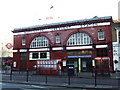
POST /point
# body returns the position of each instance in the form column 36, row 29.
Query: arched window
column 79, row 39
column 39, row 42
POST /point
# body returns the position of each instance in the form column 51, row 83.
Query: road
column 14, row 86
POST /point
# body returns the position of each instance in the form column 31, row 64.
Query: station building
column 76, row 42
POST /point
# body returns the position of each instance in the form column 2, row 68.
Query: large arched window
column 79, row 39
column 39, row 42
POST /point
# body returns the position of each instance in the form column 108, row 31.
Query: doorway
column 73, row 61
column 81, row 64
column 86, row 64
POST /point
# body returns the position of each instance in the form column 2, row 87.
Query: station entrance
column 81, row 59
column 81, row 64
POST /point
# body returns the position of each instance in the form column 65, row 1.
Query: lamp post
column 27, row 78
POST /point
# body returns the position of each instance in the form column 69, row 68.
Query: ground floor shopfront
column 81, row 64
column 81, row 59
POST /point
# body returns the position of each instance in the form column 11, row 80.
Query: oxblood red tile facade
column 65, row 35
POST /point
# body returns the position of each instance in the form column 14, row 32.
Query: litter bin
column 70, row 70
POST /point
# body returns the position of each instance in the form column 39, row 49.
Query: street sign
column 9, row 45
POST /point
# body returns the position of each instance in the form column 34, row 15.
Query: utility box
column 70, row 70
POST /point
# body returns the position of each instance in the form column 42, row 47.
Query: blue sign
column 80, row 56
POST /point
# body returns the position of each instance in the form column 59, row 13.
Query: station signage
column 9, row 45
column 80, row 56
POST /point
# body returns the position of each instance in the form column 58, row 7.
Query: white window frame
column 39, row 42
column 101, row 35
column 23, row 41
column 39, row 53
column 57, row 38
column 79, row 39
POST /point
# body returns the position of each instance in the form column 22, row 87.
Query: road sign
column 9, row 45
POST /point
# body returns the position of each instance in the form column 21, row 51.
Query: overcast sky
column 23, row 13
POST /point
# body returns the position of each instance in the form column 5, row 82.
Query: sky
column 24, row 13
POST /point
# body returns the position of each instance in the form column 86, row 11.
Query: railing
column 89, row 78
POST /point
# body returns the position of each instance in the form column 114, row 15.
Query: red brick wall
column 65, row 34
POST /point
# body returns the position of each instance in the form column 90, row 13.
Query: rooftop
column 67, row 23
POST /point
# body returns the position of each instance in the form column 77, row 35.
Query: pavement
column 113, row 76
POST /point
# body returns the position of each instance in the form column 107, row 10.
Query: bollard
column 95, row 78
column 68, row 79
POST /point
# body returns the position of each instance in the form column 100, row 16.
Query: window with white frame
column 57, row 38
column 39, row 55
column 79, row 39
column 35, row 55
column 101, row 35
column 23, row 41
column 43, row 55
column 39, row 42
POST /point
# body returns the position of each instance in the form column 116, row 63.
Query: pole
column 27, row 76
column 11, row 75
column 27, row 65
column 95, row 77
column 68, row 79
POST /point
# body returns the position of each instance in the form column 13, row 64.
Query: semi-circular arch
column 39, row 41
column 79, row 38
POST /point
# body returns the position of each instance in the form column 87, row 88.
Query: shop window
column 43, row 55
column 101, row 35
column 35, row 55
column 23, row 56
column 23, row 41
column 58, row 38
column 39, row 55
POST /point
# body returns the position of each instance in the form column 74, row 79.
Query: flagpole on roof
column 50, row 16
column 51, row 7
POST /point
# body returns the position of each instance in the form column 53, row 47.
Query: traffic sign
column 9, row 45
